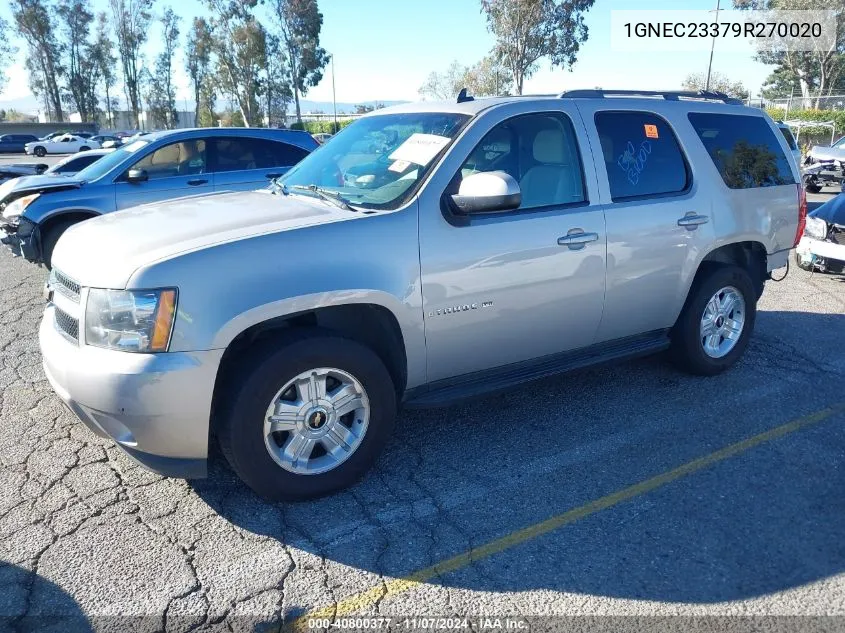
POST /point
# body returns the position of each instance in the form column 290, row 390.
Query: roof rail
column 669, row 95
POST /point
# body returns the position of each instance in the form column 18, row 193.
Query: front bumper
column 155, row 406
column 810, row 250
column 23, row 240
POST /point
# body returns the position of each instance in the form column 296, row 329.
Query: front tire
column 716, row 323
column 306, row 417
column 40, row 152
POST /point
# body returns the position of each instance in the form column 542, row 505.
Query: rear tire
column 691, row 337
column 49, row 239
column 261, row 378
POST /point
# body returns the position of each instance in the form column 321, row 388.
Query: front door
column 508, row 287
column 173, row 170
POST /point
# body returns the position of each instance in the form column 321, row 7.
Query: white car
column 65, row 144
column 76, row 162
column 822, row 246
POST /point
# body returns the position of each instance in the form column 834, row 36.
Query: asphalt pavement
column 633, row 490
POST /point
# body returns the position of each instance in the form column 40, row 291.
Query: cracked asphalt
column 87, row 534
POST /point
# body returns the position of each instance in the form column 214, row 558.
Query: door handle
column 692, row 220
column 197, row 181
column 577, row 239
column 275, row 174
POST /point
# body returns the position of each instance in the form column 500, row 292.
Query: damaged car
column 156, row 167
column 822, row 247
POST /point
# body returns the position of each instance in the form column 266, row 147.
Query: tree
column 299, row 23
column 198, row 60
column 718, row 83
column 240, row 45
column 277, row 90
column 131, row 22
column 106, row 62
column 35, row 26
column 529, row 30
column 82, row 70
column 445, row 85
column 488, row 78
column 815, row 72
column 161, row 99
column 7, row 51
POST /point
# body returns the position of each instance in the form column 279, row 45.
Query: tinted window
column 76, row 164
column 234, row 154
column 787, row 135
column 641, row 155
column 540, row 152
column 744, row 149
column 185, row 158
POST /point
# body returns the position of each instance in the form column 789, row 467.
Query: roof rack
column 669, row 95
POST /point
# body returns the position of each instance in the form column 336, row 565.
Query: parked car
column 823, row 154
column 155, row 167
column 790, row 141
column 77, row 162
column 104, row 139
column 8, row 172
column 65, row 144
column 509, row 239
column 15, row 143
column 822, row 247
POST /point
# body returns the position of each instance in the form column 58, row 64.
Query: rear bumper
column 156, row 407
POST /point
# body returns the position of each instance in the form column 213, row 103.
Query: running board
column 451, row 390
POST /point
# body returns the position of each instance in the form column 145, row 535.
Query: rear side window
column 641, row 155
column 787, row 135
column 235, row 154
column 744, row 149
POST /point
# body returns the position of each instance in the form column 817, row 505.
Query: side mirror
column 488, row 192
column 137, row 175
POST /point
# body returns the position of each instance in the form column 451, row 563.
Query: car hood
column 105, row 251
column 823, row 152
column 41, row 182
column 832, row 211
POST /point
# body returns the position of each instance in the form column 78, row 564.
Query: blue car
column 14, row 143
column 158, row 166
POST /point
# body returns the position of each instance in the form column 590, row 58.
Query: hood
column 832, row 211
column 105, row 251
column 37, row 183
column 821, row 152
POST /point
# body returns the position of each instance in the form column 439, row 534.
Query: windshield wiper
column 333, row 197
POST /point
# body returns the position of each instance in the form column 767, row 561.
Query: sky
column 384, row 49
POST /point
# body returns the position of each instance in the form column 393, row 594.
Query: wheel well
column 73, row 216
column 748, row 255
column 369, row 324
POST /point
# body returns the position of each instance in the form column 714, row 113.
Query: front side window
column 744, row 149
column 378, row 161
column 641, row 155
column 540, row 152
column 183, row 158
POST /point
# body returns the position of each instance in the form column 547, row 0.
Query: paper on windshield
column 420, row 148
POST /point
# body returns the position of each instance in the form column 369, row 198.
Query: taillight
column 802, row 213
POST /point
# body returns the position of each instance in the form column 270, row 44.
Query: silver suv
column 428, row 253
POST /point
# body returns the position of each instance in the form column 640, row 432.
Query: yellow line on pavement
column 364, row 599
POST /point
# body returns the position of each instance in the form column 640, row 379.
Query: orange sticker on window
column 651, row 131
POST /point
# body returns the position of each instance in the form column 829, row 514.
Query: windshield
column 108, row 162
column 378, row 161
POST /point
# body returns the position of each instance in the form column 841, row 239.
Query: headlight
column 816, row 228
column 130, row 320
column 15, row 208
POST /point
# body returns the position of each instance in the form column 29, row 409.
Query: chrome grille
column 65, row 285
column 66, row 324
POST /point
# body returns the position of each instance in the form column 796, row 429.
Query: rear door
column 246, row 164
column 658, row 220
column 173, row 170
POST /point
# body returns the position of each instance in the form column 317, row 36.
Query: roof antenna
column 463, row 97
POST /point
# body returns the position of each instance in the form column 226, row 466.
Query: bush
column 320, row 127
column 813, row 135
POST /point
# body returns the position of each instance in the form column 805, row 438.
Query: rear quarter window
column 641, row 155
column 744, row 149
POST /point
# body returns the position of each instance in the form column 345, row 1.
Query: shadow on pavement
column 29, row 602
column 767, row 520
